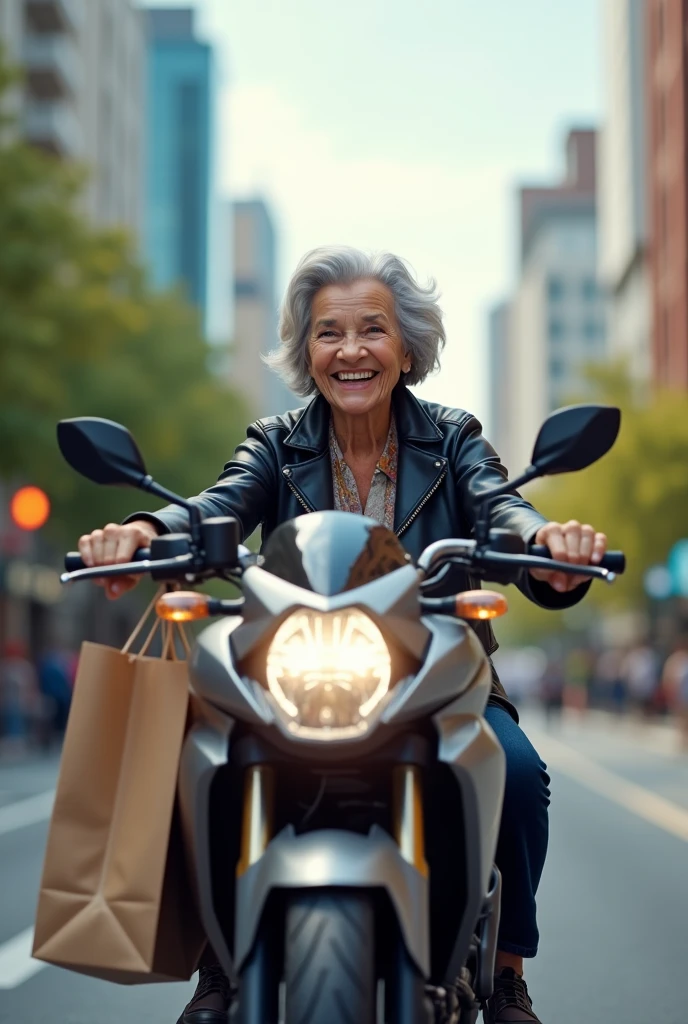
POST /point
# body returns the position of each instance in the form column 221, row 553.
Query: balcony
column 54, row 127
column 54, row 15
column 53, row 66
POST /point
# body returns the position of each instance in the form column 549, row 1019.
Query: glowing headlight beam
column 328, row 671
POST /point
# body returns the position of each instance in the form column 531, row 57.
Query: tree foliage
column 637, row 494
column 83, row 333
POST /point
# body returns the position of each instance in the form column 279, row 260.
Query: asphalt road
column 613, row 902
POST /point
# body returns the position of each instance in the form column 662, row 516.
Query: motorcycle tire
column 329, row 968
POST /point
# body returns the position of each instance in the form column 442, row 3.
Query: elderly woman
column 356, row 332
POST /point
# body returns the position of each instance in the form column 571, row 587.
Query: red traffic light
column 30, row 508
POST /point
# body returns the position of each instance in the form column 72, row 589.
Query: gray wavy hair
column 417, row 311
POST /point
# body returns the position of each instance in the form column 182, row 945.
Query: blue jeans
column 522, row 845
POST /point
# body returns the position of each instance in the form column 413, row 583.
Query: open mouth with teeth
column 354, row 376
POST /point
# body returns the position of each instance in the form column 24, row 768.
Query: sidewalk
column 26, row 776
column 658, row 736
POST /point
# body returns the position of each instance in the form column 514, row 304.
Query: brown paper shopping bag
column 114, row 899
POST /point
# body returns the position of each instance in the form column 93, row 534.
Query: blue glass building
column 179, row 158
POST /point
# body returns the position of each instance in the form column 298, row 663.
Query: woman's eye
column 374, row 327
column 326, row 334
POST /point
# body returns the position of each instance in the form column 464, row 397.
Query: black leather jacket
column 282, row 470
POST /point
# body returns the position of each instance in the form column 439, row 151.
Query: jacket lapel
column 422, row 467
column 420, row 474
column 421, row 470
column 311, row 478
column 311, row 482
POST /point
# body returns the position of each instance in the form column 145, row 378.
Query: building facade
column 667, row 104
column 178, row 174
column 624, row 267
column 82, row 98
column 499, row 376
column 255, row 311
column 557, row 324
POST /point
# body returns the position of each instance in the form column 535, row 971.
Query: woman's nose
column 351, row 346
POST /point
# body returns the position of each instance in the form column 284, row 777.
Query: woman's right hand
column 113, row 545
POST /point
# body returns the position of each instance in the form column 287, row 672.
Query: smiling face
column 356, row 351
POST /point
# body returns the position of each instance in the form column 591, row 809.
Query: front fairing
column 446, row 656
column 332, row 553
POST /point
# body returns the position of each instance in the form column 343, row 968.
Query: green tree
column 637, row 494
column 83, row 333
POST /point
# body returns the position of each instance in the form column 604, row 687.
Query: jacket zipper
column 298, row 496
column 426, row 499
column 405, row 525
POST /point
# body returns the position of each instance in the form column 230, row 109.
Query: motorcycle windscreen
column 332, row 552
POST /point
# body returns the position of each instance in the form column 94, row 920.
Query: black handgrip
column 73, row 560
column 614, row 561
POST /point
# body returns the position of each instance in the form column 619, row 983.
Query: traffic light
column 29, row 508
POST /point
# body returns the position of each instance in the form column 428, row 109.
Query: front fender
column 332, row 858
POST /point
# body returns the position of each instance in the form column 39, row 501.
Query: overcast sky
column 404, row 125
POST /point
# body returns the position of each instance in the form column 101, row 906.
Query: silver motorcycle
column 340, row 790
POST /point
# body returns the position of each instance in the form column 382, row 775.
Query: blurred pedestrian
column 55, row 679
column 19, row 697
column 552, row 689
column 610, row 682
column 641, row 672
column 675, row 685
column 577, row 679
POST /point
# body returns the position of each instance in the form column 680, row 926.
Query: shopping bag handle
column 169, row 651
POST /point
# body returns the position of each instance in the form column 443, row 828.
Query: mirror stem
column 511, row 485
column 149, row 484
column 482, row 520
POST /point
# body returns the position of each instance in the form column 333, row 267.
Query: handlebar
column 73, row 560
column 496, row 564
column 507, row 558
column 614, row 561
column 169, row 557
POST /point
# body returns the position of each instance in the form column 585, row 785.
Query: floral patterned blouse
column 383, row 488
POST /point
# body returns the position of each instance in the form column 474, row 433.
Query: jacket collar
column 311, row 431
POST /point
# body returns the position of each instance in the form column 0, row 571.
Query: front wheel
column 330, row 975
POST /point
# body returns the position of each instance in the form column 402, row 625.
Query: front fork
column 259, row 812
column 257, row 1003
column 258, row 815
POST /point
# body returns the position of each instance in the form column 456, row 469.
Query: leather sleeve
column 478, row 469
column 245, row 487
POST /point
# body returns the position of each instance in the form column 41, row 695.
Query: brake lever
column 179, row 562
column 443, row 571
column 594, row 572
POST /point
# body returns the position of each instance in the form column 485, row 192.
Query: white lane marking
column 16, row 963
column 640, row 801
column 26, row 812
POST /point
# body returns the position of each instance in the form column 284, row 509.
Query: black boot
column 211, row 979
column 510, row 1001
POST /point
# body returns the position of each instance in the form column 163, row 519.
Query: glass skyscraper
column 255, row 310
column 179, row 159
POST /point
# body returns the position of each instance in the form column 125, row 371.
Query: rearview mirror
column 101, row 450
column 575, row 437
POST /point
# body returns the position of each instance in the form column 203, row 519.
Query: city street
column 613, row 906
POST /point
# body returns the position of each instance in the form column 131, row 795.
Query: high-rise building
column 500, row 396
column 83, row 95
column 667, row 104
column 255, row 311
column 178, row 178
column 557, row 321
column 622, row 192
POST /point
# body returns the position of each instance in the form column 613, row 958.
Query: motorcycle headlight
column 328, row 672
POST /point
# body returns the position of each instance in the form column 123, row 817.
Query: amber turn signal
column 481, row 604
column 183, row 606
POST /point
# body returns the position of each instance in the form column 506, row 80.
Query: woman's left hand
column 573, row 543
